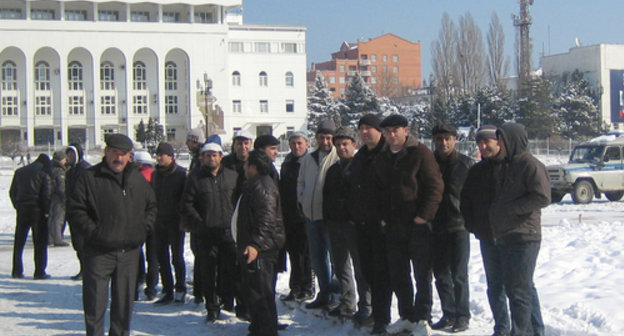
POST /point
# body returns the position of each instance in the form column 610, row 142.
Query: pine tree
column 359, row 100
column 321, row 104
column 141, row 133
column 495, row 104
column 154, row 134
column 577, row 108
column 535, row 108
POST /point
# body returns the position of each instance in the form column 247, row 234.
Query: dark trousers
column 197, row 283
column 217, row 263
column 117, row 269
column 373, row 261
column 151, row 276
column 410, row 243
column 56, row 221
column 259, row 295
column 171, row 239
column 301, row 279
column 451, row 252
column 30, row 217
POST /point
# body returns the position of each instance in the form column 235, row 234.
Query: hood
column 77, row 149
column 515, row 137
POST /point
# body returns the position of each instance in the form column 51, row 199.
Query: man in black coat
column 450, row 244
column 30, row 193
column 259, row 233
column 58, row 201
column 207, row 205
column 168, row 182
column 113, row 208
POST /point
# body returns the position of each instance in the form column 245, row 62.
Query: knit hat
column 143, row 157
column 164, row 148
column 394, row 121
column 345, row 132
column 243, row 134
column 326, row 126
column 211, row 147
column 119, row 141
column 371, row 120
column 486, row 132
column 59, row 155
column 444, row 128
column 298, row 134
column 197, row 135
column 265, row 141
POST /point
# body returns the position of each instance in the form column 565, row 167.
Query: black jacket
column 208, row 200
column 168, row 183
column 232, row 162
column 454, row 170
column 336, row 191
column 259, row 223
column 57, row 176
column 110, row 214
column 32, row 186
column 288, row 190
column 362, row 203
column 74, row 170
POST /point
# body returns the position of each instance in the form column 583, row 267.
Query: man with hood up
column 76, row 165
column 521, row 190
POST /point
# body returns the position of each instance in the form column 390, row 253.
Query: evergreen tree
column 154, row 134
column 577, row 108
column 535, row 108
column 359, row 100
column 496, row 105
column 141, row 133
column 321, row 104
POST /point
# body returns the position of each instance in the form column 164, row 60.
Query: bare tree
column 497, row 63
column 470, row 55
column 444, row 59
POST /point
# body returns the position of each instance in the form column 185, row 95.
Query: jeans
column 318, row 240
column 30, row 217
column 450, row 267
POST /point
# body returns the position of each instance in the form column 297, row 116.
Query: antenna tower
column 523, row 22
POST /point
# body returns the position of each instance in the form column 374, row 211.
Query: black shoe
column 242, row 313
column 198, row 300
column 290, row 297
column 460, row 325
column 43, row 276
column 61, row 244
column 282, row 326
column 445, row 322
column 342, row 311
column 379, row 329
column 77, row 277
column 318, row 303
column 149, row 296
column 166, row 299
column 304, row 296
column 212, row 316
column 17, row 276
column 363, row 318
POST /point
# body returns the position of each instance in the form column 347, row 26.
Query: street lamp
column 209, row 100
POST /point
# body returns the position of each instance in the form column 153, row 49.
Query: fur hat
column 345, row 132
column 197, row 135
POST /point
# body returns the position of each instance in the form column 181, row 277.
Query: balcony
column 365, row 62
column 365, row 73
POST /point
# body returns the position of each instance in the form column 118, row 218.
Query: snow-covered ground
column 579, row 273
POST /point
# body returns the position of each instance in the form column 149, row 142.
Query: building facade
column 603, row 66
column 389, row 64
column 74, row 71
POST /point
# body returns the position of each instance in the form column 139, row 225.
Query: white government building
column 74, row 71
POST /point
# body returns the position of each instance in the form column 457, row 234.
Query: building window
column 373, row 80
column 108, row 105
column 373, row 58
column 342, row 68
column 171, row 17
column 139, row 76
column 139, row 104
column 42, row 76
column 203, row 17
column 342, row 91
column 373, row 68
column 9, row 106
column 236, row 78
column 262, row 47
column 42, row 14
column 107, row 76
column 384, row 58
column 43, row 105
column 385, row 69
column 106, row 132
column 76, row 105
column 171, row 104
column 9, row 76
column 341, row 80
column 108, row 15
column 235, row 47
column 290, row 105
column 395, row 69
column 237, row 106
column 75, row 15
column 264, row 106
column 263, row 79
column 290, row 79
column 289, row 48
column 171, row 76
column 74, row 76
column 171, row 134
column 395, row 80
column 139, row 16
column 332, row 79
column 10, row 13
column 395, row 58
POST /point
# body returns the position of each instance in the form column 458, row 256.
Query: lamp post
column 209, row 99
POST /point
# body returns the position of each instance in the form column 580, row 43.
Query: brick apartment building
column 389, row 64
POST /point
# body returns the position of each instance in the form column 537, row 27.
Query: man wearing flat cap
column 113, row 208
column 58, row 201
column 410, row 189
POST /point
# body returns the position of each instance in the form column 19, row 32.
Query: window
column 236, row 47
column 106, row 132
column 373, row 68
column 171, row 17
column 263, row 79
column 332, row 79
column 9, row 106
column 237, row 106
column 139, row 76
column 108, row 105
column 75, row 15
column 385, row 69
column 171, row 104
column 373, row 58
column 341, row 80
column 139, row 104
column 264, row 106
column 289, row 48
column 171, row 76
column 395, row 69
column 139, row 16
column 42, row 14
column 9, row 76
column 10, row 13
column 42, row 76
column 74, row 76
column 290, row 105
column 171, row 134
column 384, row 58
column 262, row 47
column 395, row 80
column 395, row 58
column 342, row 68
column 290, row 79
column 43, row 105
column 107, row 76
column 373, row 80
column 76, row 105
column 236, row 79
column 106, row 15
column 351, row 67
column 203, row 17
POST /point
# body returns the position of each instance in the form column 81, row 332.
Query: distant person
column 76, row 165
column 30, row 194
column 58, row 202
column 113, row 208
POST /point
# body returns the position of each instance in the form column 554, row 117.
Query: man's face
column 271, row 152
column 242, row 148
column 396, row 135
column 117, row 159
column 369, row 135
column 345, row 148
column 164, row 159
column 324, row 141
column 192, row 145
column 211, row 159
column 488, row 148
column 71, row 157
column 501, row 144
column 298, row 146
column 63, row 161
column 444, row 143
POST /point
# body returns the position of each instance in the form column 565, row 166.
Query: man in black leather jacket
column 259, row 233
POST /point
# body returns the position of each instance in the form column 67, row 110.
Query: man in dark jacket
column 58, row 201
column 241, row 145
column 301, row 281
column 168, row 182
column 113, row 208
column 76, row 164
column 207, row 204
column 30, row 194
column 450, row 241
column 270, row 146
column 410, row 190
column 522, row 189
column 259, row 234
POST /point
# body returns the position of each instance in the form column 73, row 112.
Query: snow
column 579, row 273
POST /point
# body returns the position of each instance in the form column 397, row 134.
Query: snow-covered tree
column 496, row 105
column 359, row 99
column 151, row 134
column 322, row 105
column 534, row 107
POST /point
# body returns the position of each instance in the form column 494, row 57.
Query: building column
column 64, row 114
column 29, row 98
column 95, row 137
